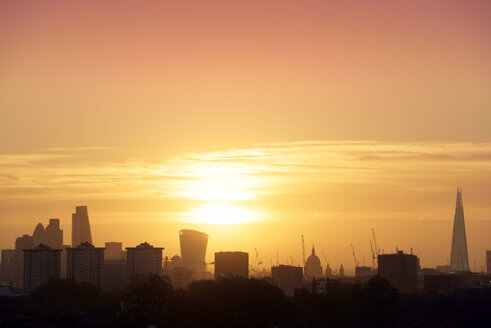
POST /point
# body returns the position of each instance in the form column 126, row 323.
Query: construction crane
column 375, row 243
column 303, row 251
column 354, row 256
column 373, row 255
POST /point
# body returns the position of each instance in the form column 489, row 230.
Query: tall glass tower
column 458, row 257
column 81, row 227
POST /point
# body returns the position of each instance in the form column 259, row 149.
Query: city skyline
column 342, row 186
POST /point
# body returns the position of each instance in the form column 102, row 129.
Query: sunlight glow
column 214, row 213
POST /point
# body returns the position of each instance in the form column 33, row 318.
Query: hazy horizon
column 253, row 121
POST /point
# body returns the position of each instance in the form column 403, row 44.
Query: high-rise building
column 53, row 234
column 21, row 243
column 488, row 261
column 115, row 274
column 458, row 257
column 81, row 227
column 232, row 263
column 313, row 268
column 193, row 249
column 85, row 263
column 401, row 270
column 287, row 277
column 38, row 235
column 7, row 267
column 41, row 264
column 143, row 260
column 114, row 251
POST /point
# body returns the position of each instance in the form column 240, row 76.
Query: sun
column 219, row 213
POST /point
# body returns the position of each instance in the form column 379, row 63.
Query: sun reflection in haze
column 220, row 213
column 218, row 188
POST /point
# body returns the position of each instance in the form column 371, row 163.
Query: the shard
column 458, row 258
column 81, row 227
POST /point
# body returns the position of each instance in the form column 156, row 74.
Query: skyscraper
column 53, row 235
column 193, row 249
column 458, row 257
column 21, row 243
column 81, row 227
column 38, row 235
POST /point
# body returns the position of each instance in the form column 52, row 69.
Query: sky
column 254, row 121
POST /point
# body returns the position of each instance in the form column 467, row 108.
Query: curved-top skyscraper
column 458, row 257
column 193, row 249
column 81, row 227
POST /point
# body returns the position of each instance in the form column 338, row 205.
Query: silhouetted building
column 400, row 270
column 458, row 258
column 41, row 264
column 341, row 271
column 232, row 263
column 39, row 235
column 443, row 283
column 174, row 262
column 143, row 260
column 114, row 251
column 287, row 277
column 21, row 243
column 115, row 274
column 313, row 268
column 64, row 261
column 85, row 263
column 81, row 227
column 53, row 235
column 363, row 273
column 488, row 261
column 7, row 267
column 443, row 268
column 193, row 249
column 180, row 276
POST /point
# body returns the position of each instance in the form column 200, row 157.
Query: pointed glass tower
column 458, row 257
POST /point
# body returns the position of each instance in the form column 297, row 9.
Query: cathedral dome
column 313, row 259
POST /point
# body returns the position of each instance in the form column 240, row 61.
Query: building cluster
column 42, row 256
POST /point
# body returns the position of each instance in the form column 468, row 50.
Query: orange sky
column 155, row 112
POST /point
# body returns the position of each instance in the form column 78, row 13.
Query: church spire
column 313, row 250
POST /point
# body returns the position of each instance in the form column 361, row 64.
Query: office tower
column 81, row 227
column 341, row 271
column 488, row 261
column 143, row 260
column 232, row 263
column 458, row 258
column 38, row 235
column 53, row 234
column 115, row 274
column 85, row 263
column 400, row 270
column 114, row 251
column 287, row 277
column 193, row 249
column 24, row 242
column 7, row 267
column 313, row 268
column 41, row 264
